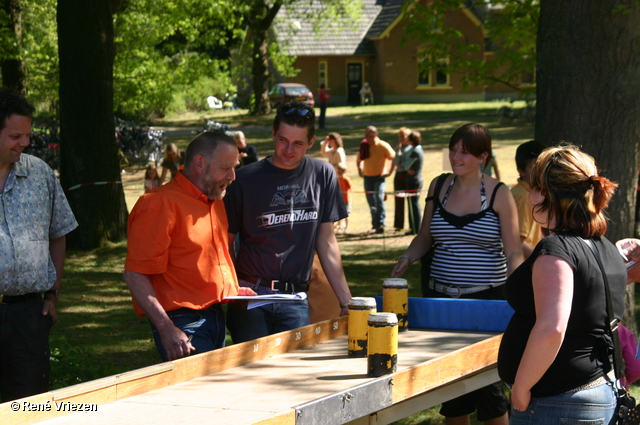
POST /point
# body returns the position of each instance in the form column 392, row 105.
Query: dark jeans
column 24, row 349
column 206, row 328
column 404, row 182
column 399, row 183
column 323, row 112
column 246, row 325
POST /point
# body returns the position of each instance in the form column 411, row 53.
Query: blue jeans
column 594, row 406
column 205, row 327
column 375, row 186
column 246, row 325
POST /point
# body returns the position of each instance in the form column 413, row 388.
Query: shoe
column 409, row 232
column 380, row 229
column 399, row 229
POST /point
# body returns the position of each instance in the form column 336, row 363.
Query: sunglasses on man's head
column 300, row 111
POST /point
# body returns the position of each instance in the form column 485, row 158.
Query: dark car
column 290, row 91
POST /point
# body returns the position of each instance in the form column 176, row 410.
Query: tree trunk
column 260, row 18
column 587, row 94
column 89, row 153
column 12, row 66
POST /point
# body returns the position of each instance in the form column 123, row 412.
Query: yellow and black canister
column 382, row 347
column 359, row 310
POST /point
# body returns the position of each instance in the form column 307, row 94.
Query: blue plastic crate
column 457, row 314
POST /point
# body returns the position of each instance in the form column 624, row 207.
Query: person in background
column 345, row 186
column 36, row 218
column 178, row 267
column 284, row 208
column 151, row 178
column 403, row 150
column 414, row 180
column 248, row 153
column 375, row 161
column 555, row 352
column 530, row 231
column 470, row 221
column 333, row 148
column 323, row 101
column 172, row 162
column 491, row 167
column 366, row 94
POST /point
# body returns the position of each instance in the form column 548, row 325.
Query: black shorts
column 490, row 402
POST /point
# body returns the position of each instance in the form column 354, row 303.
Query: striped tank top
column 468, row 249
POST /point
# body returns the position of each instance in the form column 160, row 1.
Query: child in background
column 345, row 186
column 151, row 178
column 530, row 231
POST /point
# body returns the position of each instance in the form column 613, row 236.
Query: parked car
column 290, row 91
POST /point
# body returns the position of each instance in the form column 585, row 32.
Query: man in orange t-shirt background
column 178, row 266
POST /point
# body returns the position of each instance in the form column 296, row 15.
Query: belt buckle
column 272, row 287
column 457, row 291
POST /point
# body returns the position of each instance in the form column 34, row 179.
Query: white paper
column 260, row 300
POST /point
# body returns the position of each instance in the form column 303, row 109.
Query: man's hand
column 175, row 342
column 49, row 307
column 246, row 292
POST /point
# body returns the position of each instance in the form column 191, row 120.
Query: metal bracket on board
column 346, row 406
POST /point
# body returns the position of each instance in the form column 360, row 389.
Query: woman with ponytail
column 555, row 352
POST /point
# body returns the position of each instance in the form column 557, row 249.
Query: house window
column 437, row 77
column 441, row 74
column 322, row 74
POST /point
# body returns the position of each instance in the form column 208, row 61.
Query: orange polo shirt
column 179, row 238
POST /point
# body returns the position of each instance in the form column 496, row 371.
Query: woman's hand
column 401, row 266
column 520, row 399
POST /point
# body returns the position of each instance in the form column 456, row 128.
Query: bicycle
column 137, row 146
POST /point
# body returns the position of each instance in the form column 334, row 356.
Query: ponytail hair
column 575, row 196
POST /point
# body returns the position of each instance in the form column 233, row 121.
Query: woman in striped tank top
column 470, row 220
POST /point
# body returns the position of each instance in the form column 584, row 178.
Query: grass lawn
column 98, row 333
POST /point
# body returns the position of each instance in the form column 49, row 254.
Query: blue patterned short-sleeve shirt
column 33, row 211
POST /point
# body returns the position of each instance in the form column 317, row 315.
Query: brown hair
column 415, row 138
column 405, row 131
column 475, row 138
column 574, row 195
column 149, row 168
column 336, row 136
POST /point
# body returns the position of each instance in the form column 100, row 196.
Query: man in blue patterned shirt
column 34, row 219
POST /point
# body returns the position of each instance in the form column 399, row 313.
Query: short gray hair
column 206, row 144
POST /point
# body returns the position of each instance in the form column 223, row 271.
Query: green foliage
column 167, row 47
column 72, row 365
column 511, row 27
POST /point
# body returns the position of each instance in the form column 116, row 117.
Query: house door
column 354, row 83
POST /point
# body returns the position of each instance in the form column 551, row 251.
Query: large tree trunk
column 89, row 153
column 13, row 74
column 259, row 20
column 587, row 93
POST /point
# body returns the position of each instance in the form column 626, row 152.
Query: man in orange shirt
column 178, row 266
column 374, row 165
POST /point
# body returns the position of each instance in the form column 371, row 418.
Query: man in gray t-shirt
column 283, row 209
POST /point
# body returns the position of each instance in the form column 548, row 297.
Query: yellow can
column 382, row 348
column 358, row 330
column 395, row 299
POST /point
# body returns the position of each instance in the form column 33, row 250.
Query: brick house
column 373, row 50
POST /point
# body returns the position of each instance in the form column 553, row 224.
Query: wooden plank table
column 299, row 377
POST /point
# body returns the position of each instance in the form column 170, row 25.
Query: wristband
column 405, row 256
